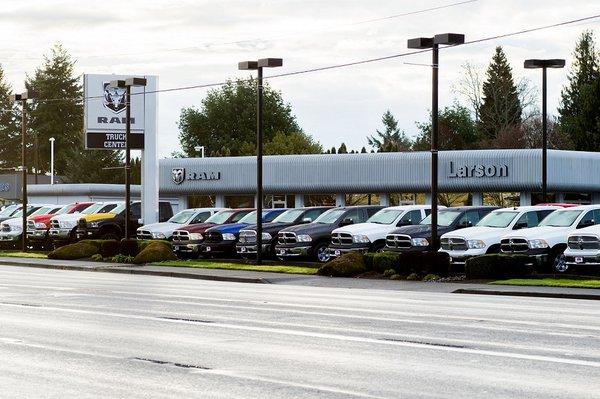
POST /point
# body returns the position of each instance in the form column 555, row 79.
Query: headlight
column 475, row 244
column 304, row 238
column 361, row 239
column 159, row 236
column 196, row 236
column 266, row 236
column 229, row 237
column 538, row 244
column 419, row 242
column 94, row 224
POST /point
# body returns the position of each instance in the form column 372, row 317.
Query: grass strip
column 550, row 282
column 239, row 266
column 17, row 254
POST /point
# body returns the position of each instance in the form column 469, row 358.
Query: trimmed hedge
column 109, row 248
column 383, row 261
column 406, row 263
column 347, row 265
column 155, row 252
column 497, row 266
column 368, row 257
column 78, row 250
column 129, row 247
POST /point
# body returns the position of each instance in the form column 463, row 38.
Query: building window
column 201, row 201
column 239, row 201
column 398, row 199
column 278, row 201
column 319, row 200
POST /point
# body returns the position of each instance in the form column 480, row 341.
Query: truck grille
column 398, row 241
column 287, row 238
column 30, row 225
column 584, row 242
column 247, row 237
column 55, row 224
column 341, row 238
column 454, row 244
column 214, row 236
column 5, row 228
column 510, row 245
column 181, row 235
column 144, row 235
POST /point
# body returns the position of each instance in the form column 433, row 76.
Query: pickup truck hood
column 229, row 228
column 543, row 232
column 312, row 229
column 270, row 227
column 595, row 230
column 15, row 222
column 41, row 218
column 163, row 227
column 98, row 216
column 420, row 230
column 68, row 217
column 197, row 228
column 366, row 229
column 478, row 233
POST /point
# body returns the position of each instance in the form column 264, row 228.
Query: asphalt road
column 67, row 334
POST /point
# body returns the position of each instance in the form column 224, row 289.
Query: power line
column 343, row 65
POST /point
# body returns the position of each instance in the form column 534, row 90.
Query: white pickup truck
column 583, row 246
column 370, row 236
column 164, row 230
column 484, row 237
column 547, row 242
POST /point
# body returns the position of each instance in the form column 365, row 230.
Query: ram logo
column 114, row 98
column 178, row 175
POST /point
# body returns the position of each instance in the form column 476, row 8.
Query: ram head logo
column 114, row 98
column 178, row 175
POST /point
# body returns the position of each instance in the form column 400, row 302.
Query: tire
column 494, row 249
column 559, row 263
column 110, row 235
column 320, row 253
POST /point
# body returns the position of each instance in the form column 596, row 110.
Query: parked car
column 111, row 226
column 164, row 230
column 370, row 236
column 292, row 217
column 63, row 228
column 222, row 239
column 583, row 248
column 546, row 244
column 38, row 227
column 9, row 211
column 416, row 238
column 311, row 240
column 11, row 230
column 485, row 237
column 187, row 240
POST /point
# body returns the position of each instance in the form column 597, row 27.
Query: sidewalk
column 241, row 276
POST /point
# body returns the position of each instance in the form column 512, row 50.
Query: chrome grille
column 144, row 235
column 287, row 238
column 213, row 236
column 509, row 245
column 398, row 241
column 181, row 235
column 454, row 244
column 247, row 237
column 30, row 225
column 5, row 228
column 584, row 242
column 54, row 224
column 341, row 238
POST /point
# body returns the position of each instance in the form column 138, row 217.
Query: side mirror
column 522, row 225
column 346, row 222
column 306, row 220
column 140, row 221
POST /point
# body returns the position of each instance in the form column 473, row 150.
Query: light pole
column 259, row 65
column 445, row 39
column 544, row 64
column 200, row 148
column 51, row 139
column 127, row 84
column 22, row 98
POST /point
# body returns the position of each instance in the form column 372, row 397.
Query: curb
column 129, row 270
column 528, row 294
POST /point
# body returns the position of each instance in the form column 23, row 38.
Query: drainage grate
column 189, row 320
column 166, row 363
column 422, row 343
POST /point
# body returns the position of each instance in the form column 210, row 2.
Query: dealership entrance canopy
column 231, row 181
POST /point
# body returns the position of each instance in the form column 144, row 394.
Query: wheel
column 494, row 249
column 110, row 236
column 560, row 263
column 320, row 252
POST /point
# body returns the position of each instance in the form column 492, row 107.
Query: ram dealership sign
column 179, row 175
column 476, row 170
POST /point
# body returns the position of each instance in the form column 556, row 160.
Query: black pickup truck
column 312, row 239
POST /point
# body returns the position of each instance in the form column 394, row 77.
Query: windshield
column 445, row 218
column 182, row 217
column 498, row 219
column 250, row 218
column 219, row 218
column 9, row 210
column 560, row 218
column 44, row 210
column 289, row 216
column 385, row 216
column 90, row 210
column 331, row 216
column 64, row 209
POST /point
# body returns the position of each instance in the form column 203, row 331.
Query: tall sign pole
column 24, row 171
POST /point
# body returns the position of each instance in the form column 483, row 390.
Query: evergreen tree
column 333, row 150
column 10, row 135
column 457, row 131
column 501, row 107
column 579, row 112
column 342, row 149
column 392, row 139
column 363, row 150
column 58, row 113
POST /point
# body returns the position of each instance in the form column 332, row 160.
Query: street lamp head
column 449, row 39
column 51, row 139
column 248, row 65
column 117, row 83
column 551, row 63
column 20, row 97
column 136, row 82
column 420, row 42
column 270, row 62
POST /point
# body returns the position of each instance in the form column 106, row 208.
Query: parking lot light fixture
column 127, row 84
column 543, row 65
column 444, row 39
column 258, row 66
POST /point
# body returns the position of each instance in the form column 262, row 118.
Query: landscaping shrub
column 498, row 266
column 157, row 251
column 431, row 277
column 383, row 261
column 368, row 258
column 109, row 248
column 95, row 243
column 346, row 265
column 412, row 277
column 424, row 263
column 395, row 277
column 120, row 258
column 128, row 247
column 78, row 250
column 389, row 272
column 97, row 258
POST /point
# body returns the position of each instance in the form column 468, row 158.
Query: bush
column 78, row 250
column 431, row 277
column 95, row 243
column 120, row 258
column 395, row 277
column 128, row 247
column 109, row 248
column 97, row 258
column 383, row 261
column 368, row 258
column 157, row 251
column 389, row 272
column 413, row 277
column 346, row 265
column 424, row 263
column 498, row 266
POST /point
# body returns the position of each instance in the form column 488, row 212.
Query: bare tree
column 469, row 86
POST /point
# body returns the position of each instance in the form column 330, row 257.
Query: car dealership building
column 387, row 178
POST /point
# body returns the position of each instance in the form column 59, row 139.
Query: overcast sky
column 187, row 42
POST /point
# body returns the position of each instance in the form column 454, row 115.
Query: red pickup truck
column 38, row 227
